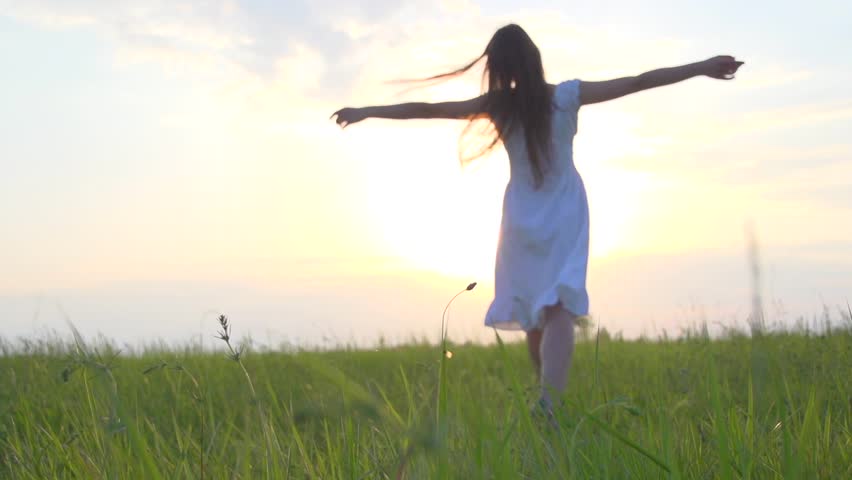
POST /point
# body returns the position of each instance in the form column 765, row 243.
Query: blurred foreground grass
column 774, row 406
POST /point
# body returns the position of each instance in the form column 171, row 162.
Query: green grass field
column 775, row 406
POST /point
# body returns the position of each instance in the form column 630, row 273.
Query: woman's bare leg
column 534, row 347
column 557, row 348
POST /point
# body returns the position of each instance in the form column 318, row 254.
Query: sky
column 167, row 161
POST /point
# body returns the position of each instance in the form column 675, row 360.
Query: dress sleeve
column 568, row 95
column 568, row 100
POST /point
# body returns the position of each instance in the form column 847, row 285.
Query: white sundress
column 543, row 249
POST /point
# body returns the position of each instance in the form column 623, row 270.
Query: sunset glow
column 184, row 150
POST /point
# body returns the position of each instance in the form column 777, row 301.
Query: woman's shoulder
column 564, row 85
column 566, row 94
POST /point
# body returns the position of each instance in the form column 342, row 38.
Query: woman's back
column 559, row 163
column 544, row 236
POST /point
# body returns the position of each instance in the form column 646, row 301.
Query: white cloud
column 459, row 7
column 205, row 24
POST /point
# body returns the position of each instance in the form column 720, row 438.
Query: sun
column 456, row 234
column 447, row 221
column 430, row 214
column 616, row 200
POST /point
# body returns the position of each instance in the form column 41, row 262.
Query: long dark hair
column 516, row 95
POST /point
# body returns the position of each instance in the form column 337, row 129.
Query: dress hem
column 561, row 294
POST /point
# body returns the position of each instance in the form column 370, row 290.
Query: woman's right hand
column 348, row 116
column 722, row 67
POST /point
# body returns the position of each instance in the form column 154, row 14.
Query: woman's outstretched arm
column 406, row 111
column 722, row 67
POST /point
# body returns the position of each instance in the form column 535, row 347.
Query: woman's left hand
column 348, row 116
